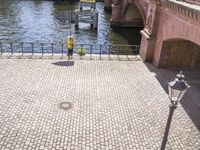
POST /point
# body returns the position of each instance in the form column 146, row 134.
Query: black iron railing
column 60, row 48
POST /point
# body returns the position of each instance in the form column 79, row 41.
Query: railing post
column 42, row 48
column 128, row 51
column 134, row 50
column 1, row 48
column 100, row 52
column 52, row 48
column 81, row 50
column 22, row 47
column 11, row 46
column 118, row 51
column 32, row 48
column 137, row 51
column 138, row 47
column 62, row 49
column 90, row 51
column 109, row 51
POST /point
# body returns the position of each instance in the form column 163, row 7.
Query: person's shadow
column 64, row 63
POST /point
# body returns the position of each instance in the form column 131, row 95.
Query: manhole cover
column 65, row 105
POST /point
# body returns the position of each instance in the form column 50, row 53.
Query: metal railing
column 60, row 48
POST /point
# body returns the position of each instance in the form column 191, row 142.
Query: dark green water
column 34, row 21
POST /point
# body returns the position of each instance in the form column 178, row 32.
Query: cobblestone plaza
column 113, row 105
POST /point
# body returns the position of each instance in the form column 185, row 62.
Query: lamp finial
column 180, row 75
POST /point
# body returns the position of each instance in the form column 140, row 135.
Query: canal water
column 35, row 21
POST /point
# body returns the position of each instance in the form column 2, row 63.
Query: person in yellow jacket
column 70, row 46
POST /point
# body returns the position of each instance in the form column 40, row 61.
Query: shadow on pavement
column 167, row 128
column 191, row 100
column 64, row 63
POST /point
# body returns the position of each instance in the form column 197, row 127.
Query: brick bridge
column 171, row 33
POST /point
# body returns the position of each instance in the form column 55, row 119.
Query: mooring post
column 76, row 22
column 22, row 47
column 32, row 48
column 11, row 46
column 1, row 48
column 52, row 49
column 96, row 20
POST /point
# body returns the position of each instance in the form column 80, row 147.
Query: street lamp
column 177, row 89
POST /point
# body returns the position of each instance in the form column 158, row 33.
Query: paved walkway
column 112, row 105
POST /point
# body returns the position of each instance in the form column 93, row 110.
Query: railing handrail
column 65, row 43
column 59, row 47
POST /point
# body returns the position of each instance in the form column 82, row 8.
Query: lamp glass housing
column 177, row 88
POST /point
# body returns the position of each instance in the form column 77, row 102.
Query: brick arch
column 174, row 38
column 174, row 23
column 180, row 53
column 185, row 37
column 179, row 28
column 185, row 32
column 140, row 8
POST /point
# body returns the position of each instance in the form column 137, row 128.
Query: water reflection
column 34, row 21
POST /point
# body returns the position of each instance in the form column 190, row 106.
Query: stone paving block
column 115, row 105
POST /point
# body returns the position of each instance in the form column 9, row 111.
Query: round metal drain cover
column 65, row 105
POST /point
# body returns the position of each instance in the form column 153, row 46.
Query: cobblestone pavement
column 115, row 105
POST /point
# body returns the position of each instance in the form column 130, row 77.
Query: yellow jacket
column 70, row 42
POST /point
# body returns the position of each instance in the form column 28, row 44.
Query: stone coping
column 74, row 57
column 191, row 7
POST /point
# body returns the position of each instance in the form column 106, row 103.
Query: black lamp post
column 177, row 88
